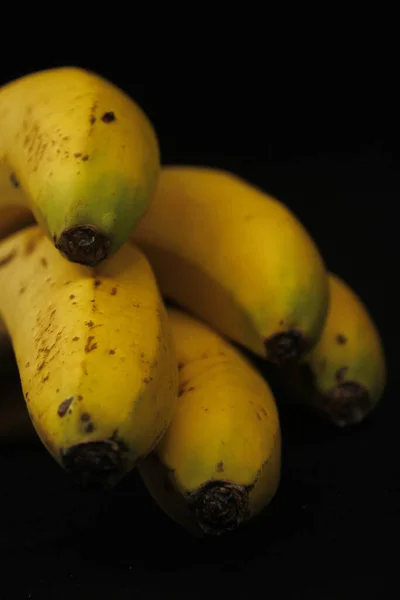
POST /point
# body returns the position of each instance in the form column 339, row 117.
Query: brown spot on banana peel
column 108, row 117
column 83, row 244
column 5, row 260
column 92, row 117
column 341, row 339
column 90, row 345
column 286, row 347
column 64, row 406
column 219, row 506
column 220, row 467
column 32, row 242
column 14, row 180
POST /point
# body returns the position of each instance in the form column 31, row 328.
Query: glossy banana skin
column 81, row 155
column 344, row 377
column 236, row 258
column 218, row 465
column 94, row 353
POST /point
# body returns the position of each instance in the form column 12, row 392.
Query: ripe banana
column 345, row 375
column 219, row 462
column 81, row 155
column 237, row 258
column 94, row 353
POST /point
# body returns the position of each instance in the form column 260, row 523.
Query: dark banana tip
column 286, row 347
column 93, row 464
column 83, row 244
column 219, row 506
column 347, row 403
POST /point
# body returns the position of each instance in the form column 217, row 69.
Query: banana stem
column 219, row 506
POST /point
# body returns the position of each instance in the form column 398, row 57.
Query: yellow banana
column 219, row 462
column 81, row 155
column 237, row 258
column 345, row 375
column 94, row 353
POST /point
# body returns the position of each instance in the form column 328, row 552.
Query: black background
column 327, row 146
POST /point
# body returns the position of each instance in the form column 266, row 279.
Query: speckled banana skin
column 80, row 155
column 94, row 353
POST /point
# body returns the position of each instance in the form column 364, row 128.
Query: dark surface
column 332, row 530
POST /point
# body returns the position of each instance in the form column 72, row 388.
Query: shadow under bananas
column 123, row 528
column 49, row 515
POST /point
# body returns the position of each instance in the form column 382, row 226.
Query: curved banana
column 345, row 375
column 219, row 462
column 94, row 353
column 237, row 258
column 81, row 155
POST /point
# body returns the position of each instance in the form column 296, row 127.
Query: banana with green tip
column 237, row 258
column 80, row 155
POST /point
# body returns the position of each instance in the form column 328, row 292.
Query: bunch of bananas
column 133, row 296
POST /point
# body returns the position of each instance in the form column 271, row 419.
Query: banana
column 218, row 464
column 345, row 375
column 94, row 353
column 80, row 155
column 237, row 258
